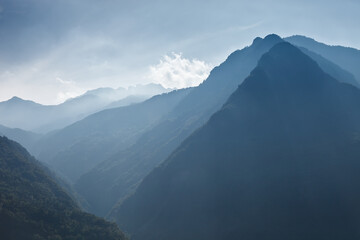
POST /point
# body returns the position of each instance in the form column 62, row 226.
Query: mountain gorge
column 75, row 149
column 278, row 161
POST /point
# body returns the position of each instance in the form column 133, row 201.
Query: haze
column 53, row 50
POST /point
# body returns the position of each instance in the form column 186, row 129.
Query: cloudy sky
column 51, row 50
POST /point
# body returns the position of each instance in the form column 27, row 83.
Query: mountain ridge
column 85, row 143
column 218, row 184
column 119, row 174
column 32, row 116
column 346, row 57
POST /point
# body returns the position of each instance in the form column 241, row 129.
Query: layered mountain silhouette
column 76, row 149
column 120, row 174
column 331, row 68
column 345, row 57
column 34, row 207
column 25, row 138
column 28, row 115
column 280, row 160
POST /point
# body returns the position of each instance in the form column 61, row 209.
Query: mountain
column 345, row 57
column 33, row 206
column 25, row 138
column 18, row 113
column 280, row 160
column 331, row 68
column 127, row 101
column 74, row 150
column 121, row 173
column 112, row 95
column 28, row 115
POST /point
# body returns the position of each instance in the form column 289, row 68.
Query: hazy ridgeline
column 265, row 148
column 31, row 116
column 75, row 149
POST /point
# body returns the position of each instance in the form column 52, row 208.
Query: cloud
column 62, row 81
column 175, row 71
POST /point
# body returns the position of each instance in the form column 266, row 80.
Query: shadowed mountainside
column 280, row 160
column 120, row 174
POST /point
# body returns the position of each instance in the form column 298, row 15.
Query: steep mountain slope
column 345, row 57
column 25, row 138
column 280, row 160
column 77, row 148
column 331, row 68
column 28, row 115
column 122, row 172
column 33, row 206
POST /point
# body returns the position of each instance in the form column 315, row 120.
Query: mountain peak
column 286, row 62
column 269, row 39
column 272, row 37
column 257, row 40
column 285, row 53
column 16, row 99
column 283, row 71
column 258, row 47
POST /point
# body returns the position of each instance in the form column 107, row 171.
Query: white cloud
column 175, row 71
column 62, row 81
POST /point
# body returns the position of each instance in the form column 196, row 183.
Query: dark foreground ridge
column 34, row 207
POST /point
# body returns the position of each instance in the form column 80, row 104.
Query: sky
column 51, row 50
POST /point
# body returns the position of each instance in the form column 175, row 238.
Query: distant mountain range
column 33, row 206
column 280, row 160
column 28, row 115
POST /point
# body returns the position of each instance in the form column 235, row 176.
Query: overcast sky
column 51, row 50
